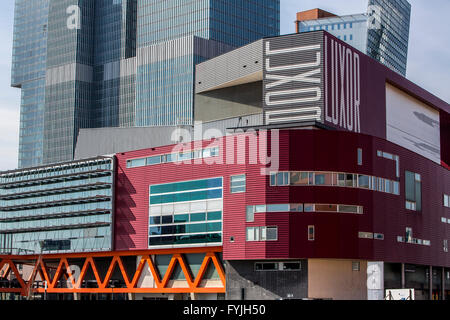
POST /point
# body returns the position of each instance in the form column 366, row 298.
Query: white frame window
column 238, row 183
column 264, row 233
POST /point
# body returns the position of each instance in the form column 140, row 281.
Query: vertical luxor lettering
column 345, row 87
column 304, row 78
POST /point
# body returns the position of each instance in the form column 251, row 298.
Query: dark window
column 266, row 266
column 291, row 266
column 413, row 191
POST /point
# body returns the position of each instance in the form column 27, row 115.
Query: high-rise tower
column 118, row 63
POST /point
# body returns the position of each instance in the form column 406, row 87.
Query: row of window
column 445, row 220
column 408, row 238
column 278, row 266
column 186, row 239
column 185, row 218
column 330, row 27
column 186, row 207
column 262, row 233
column 173, row 157
column 300, row 207
column 335, row 179
column 183, row 186
column 371, row 235
column 182, row 229
column 187, row 196
column 54, row 171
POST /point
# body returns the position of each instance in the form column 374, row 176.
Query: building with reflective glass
column 382, row 32
column 109, row 63
column 66, row 207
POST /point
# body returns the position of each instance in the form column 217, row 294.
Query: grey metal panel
column 229, row 68
column 95, row 142
column 222, row 125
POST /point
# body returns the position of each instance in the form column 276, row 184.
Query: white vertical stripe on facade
column 69, row 72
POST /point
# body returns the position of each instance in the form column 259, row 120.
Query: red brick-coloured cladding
column 132, row 190
column 373, row 79
column 336, row 234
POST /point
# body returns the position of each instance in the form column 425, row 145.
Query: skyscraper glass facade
column 351, row 29
column 28, row 73
column 388, row 39
column 174, row 35
column 118, row 63
column 61, row 208
column 382, row 32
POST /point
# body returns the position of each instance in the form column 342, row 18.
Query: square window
column 356, row 266
column 272, row 233
column 237, row 183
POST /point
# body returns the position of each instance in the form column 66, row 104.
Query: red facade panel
column 336, row 235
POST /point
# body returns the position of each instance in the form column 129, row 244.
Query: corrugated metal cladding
column 293, row 78
column 180, row 47
column 132, row 201
column 336, row 234
column 95, row 142
column 230, row 67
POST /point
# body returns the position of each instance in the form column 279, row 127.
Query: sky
column 428, row 56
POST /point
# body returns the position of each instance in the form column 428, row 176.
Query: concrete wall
column 334, row 279
column 224, row 103
column 264, row 285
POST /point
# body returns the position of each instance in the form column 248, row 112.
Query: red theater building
column 341, row 191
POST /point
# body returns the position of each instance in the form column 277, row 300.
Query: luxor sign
column 299, row 86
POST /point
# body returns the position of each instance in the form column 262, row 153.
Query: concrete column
column 76, row 296
column 131, row 296
column 193, row 296
column 403, row 276
column 430, row 284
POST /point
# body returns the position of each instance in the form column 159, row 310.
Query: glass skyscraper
column 118, row 63
column 28, row 73
column 382, row 32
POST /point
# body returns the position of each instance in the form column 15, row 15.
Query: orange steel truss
column 162, row 282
